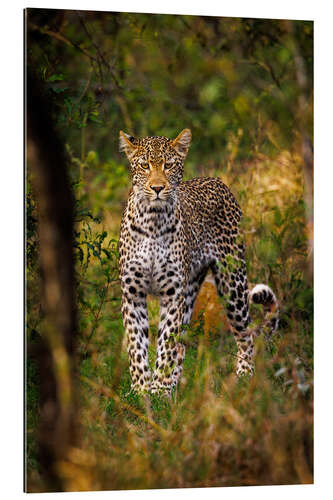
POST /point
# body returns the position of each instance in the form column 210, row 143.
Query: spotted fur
column 172, row 233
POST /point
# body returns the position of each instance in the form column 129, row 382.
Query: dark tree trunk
column 305, row 107
column 47, row 165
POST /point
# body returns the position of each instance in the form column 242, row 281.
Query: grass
column 217, row 430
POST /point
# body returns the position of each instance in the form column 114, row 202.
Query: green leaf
column 56, row 78
column 59, row 90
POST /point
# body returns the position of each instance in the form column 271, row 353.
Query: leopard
column 173, row 232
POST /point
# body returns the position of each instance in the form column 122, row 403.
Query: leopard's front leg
column 135, row 319
column 170, row 352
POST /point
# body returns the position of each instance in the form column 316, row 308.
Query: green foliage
column 152, row 74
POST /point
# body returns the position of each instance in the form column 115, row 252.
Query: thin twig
column 84, row 91
column 97, row 315
column 62, row 38
column 106, row 391
column 99, row 52
column 101, row 57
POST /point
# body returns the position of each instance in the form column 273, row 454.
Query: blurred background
column 245, row 89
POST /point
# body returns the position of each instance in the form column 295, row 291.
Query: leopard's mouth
column 157, row 201
column 160, row 197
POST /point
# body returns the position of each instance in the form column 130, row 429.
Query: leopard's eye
column 145, row 166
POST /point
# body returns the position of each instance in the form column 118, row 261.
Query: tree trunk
column 304, row 108
column 47, row 165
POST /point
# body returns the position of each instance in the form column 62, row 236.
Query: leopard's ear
column 182, row 142
column 127, row 144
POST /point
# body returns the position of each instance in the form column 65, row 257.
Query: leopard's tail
column 262, row 294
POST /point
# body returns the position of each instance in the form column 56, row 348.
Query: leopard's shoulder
column 205, row 196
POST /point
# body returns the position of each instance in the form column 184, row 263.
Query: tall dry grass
column 217, row 430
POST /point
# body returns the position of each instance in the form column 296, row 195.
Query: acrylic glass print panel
column 153, row 359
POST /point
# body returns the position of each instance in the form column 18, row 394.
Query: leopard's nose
column 157, row 189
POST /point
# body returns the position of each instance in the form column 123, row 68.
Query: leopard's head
column 157, row 164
